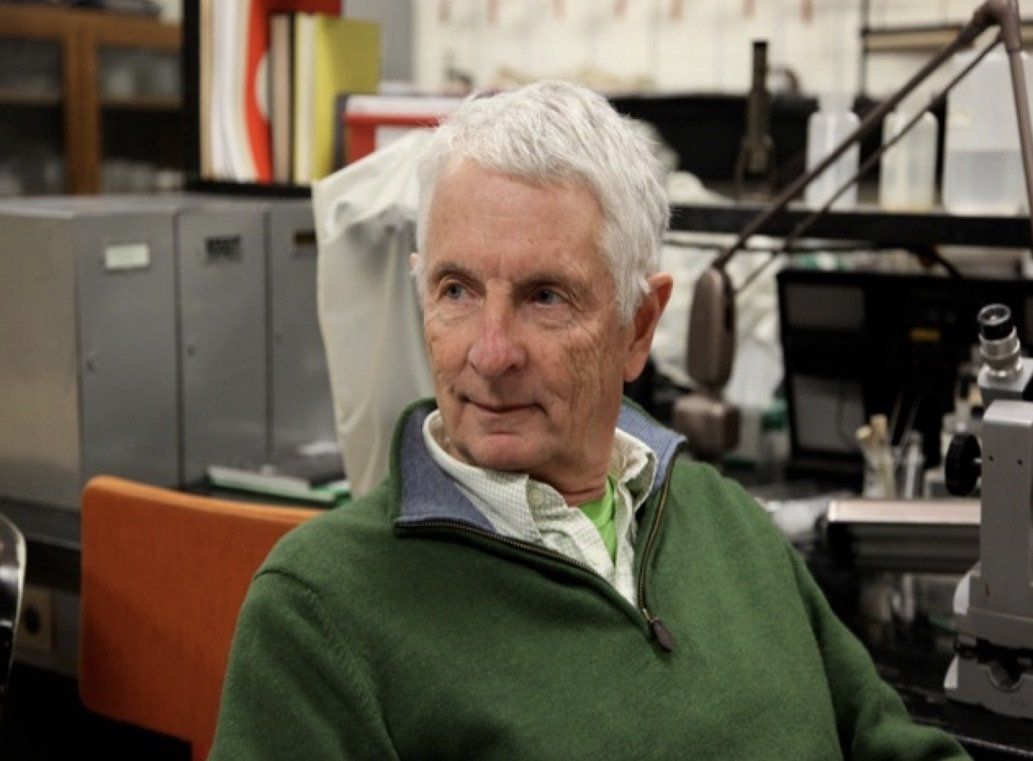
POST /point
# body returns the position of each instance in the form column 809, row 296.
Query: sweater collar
column 425, row 493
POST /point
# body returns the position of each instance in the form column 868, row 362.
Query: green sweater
column 401, row 626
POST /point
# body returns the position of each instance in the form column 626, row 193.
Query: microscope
column 993, row 603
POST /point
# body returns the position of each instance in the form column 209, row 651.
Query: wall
column 667, row 45
column 396, row 34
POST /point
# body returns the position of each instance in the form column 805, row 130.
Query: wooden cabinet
column 89, row 101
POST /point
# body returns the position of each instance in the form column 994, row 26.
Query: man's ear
column 644, row 323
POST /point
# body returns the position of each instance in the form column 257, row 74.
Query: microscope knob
column 963, row 464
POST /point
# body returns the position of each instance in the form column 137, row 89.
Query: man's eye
column 454, row 291
column 546, row 297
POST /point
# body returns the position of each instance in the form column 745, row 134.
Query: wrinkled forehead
column 479, row 213
column 475, row 196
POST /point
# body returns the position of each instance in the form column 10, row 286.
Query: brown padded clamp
column 164, row 575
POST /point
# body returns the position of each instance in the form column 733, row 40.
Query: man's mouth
column 495, row 408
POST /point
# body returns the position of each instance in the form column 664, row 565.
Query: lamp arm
column 1011, row 33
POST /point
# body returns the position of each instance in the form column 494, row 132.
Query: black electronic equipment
column 856, row 344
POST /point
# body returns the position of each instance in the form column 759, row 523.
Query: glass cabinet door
column 32, row 117
column 141, row 119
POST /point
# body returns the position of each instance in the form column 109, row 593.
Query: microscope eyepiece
column 995, row 322
column 999, row 342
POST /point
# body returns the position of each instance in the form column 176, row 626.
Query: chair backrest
column 164, row 575
column 12, row 584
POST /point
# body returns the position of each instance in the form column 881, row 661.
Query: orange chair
column 163, row 577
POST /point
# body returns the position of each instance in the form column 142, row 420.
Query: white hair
column 556, row 132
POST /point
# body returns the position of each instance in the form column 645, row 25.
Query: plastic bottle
column 907, row 171
column 982, row 165
column 912, row 468
column 826, row 129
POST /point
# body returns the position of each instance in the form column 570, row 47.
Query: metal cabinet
column 222, row 323
column 152, row 336
column 87, row 347
column 301, row 409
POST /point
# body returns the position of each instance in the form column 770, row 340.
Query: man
column 540, row 575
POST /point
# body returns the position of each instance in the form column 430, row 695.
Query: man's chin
column 502, row 454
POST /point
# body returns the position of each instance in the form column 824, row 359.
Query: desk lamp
column 711, row 423
column 993, row 664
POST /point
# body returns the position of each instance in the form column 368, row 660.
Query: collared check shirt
column 519, row 507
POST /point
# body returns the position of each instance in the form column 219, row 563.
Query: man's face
column 525, row 342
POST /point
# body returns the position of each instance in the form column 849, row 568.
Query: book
column 235, row 137
column 205, row 88
column 256, row 75
column 281, row 93
column 230, row 154
column 278, row 485
column 332, row 56
column 301, row 130
column 256, row 89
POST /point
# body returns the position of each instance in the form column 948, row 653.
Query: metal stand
column 993, row 604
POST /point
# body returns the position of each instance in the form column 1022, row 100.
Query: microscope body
column 993, row 603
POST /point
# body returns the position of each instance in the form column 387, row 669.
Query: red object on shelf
column 361, row 130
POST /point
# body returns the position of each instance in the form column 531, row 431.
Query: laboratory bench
column 912, row 651
column 913, row 658
column 915, row 670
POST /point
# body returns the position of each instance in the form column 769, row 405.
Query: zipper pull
column 663, row 635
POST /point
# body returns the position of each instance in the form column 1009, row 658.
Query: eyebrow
column 535, row 277
column 450, row 270
column 446, row 268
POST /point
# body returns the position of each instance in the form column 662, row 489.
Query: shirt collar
column 425, row 493
column 632, row 463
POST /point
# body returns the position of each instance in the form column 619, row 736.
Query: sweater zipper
column 660, row 633
column 663, row 635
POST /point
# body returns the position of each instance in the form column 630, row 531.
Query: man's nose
column 496, row 349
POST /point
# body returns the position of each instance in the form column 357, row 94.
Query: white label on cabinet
column 127, row 256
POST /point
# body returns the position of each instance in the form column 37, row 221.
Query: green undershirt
column 601, row 512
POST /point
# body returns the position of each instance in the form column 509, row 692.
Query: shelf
column 11, row 97
column 82, row 36
column 256, row 189
column 867, row 223
column 143, row 103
